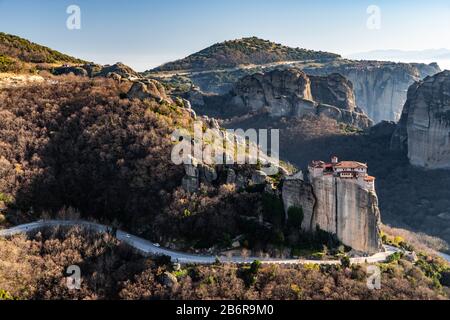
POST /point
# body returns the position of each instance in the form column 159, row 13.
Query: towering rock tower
column 424, row 129
column 342, row 201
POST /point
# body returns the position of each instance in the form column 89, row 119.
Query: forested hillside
column 18, row 54
column 244, row 51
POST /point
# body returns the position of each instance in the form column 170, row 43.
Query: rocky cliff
column 338, row 206
column 291, row 92
column 118, row 71
column 380, row 87
column 333, row 90
column 424, row 128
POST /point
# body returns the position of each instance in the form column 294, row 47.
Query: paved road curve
column 445, row 256
column 170, row 74
column 147, row 248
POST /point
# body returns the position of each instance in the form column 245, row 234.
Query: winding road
column 170, row 74
column 148, row 248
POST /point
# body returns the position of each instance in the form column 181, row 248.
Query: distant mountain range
column 403, row 55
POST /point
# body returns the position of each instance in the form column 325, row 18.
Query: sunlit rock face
column 334, row 90
column 282, row 92
column 291, row 92
column 380, row 87
column 424, row 129
column 349, row 211
column 343, row 207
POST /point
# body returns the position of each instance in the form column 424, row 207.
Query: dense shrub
column 78, row 143
column 26, row 51
column 7, row 64
column 4, row 295
column 273, row 209
column 295, row 217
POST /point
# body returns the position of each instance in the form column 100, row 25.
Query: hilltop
column 245, row 51
column 380, row 86
column 18, row 54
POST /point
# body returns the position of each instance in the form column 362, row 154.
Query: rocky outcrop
column 424, row 129
column 333, row 90
column 169, row 280
column 223, row 167
column 148, row 89
column 280, row 92
column 356, row 119
column 399, row 139
column 380, row 87
column 338, row 206
column 78, row 71
column 258, row 178
column 291, row 92
column 118, row 70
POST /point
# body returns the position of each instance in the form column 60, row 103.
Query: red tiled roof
column 369, row 179
column 350, row 165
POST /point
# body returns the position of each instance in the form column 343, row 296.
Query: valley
column 381, row 85
column 86, row 150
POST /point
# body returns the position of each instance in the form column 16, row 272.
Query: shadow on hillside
column 105, row 156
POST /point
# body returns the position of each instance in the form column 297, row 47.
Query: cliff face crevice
column 338, row 206
column 424, row 129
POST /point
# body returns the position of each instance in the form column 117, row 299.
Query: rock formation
column 280, row 92
column 291, row 92
column 333, row 90
column 347, row 210
column 380, row 87
column 223, row 166
column 148, row 89
column 339, row 204
column 424, row 128
column 91, row 70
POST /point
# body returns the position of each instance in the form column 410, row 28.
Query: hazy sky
column 147, row 33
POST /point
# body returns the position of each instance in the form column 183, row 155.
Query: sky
column 147, row 33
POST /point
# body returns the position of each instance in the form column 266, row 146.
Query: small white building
column 343, row 170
